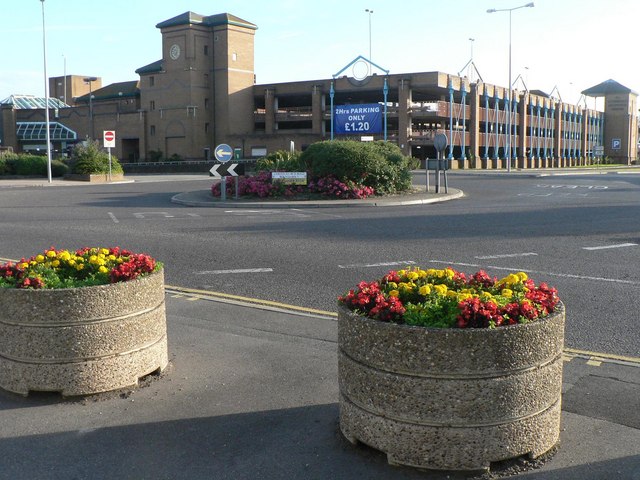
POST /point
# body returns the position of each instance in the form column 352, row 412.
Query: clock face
column 174, row 51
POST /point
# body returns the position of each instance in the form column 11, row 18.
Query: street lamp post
column 46, row 96
column 89, row 80
column 508, row 143
column 369, row 12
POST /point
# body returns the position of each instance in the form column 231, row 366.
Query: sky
column 564, row 46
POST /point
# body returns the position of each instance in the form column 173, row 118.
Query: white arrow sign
column 222, row 170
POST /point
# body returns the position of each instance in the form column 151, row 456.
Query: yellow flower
column 103, row 269
column 392, row 285
column 412, row 276
column 24, row 265
column 440, row 289
column 464, row 296
column 401, row 273
column 104, row 251
column 394, row 293
column 522, row 276
column 421, row 273
column 79, row 266
column 64, row 256
column 484, row 296
column 506, row 292
column 51, row 253
column 406, row 286
column 55, row 263
column 425, row 290
column 449, row 273
column 39, row 258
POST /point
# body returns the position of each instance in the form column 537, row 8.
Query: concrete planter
column 452, row 399
column 81, row 341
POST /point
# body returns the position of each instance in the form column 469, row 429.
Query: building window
column 206, row 103
column 206, row 49
column 152, row 130
column 152, row 81
column 206, row 79
column 234, row 56
column 206, row 127
column 152, row 105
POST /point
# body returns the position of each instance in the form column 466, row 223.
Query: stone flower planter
column 452, row 399
column 80, row 341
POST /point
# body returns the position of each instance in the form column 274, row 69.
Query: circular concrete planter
column 451, row 399
column 80, row 341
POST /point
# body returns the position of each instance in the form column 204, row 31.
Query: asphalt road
column 578, row 233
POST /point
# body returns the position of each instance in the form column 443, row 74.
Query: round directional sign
column 223, row 153
column 440, row 142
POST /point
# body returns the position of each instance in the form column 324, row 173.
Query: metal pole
column 65, row 79
column 509, row 104
column 46, row 95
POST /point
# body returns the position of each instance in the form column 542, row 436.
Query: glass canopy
column 32, row 102
column 38, row 131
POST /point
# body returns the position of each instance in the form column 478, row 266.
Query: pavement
column 251, row 392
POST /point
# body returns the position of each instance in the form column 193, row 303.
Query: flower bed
column 262, row 186
column 448, row 298
column 443, row 371
column 84, row 267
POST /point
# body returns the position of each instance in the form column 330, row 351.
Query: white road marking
column 589, row 187
column 113, row 217
column 142, row 214
column 381, row 264
column 507, row 255
column 552, row 274
column 604, row 247
column 239, row 270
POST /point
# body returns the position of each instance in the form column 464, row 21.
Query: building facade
column 202, row 93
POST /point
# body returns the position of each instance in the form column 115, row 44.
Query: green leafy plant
column 92, row 159
column 281, row 161
column 379, row 165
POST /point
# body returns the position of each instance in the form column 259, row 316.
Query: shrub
column 90, row 158
column 379, row 165
column 282, row 161
column 30, row 165
column 154, row 155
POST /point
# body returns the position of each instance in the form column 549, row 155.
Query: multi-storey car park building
column 203, row 93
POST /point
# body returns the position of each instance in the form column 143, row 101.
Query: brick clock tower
column 202, row 89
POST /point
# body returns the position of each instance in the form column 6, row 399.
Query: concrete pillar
column 316, row 109
column 270, row 111
column 404, row 115
column 559, row 133
column 474, row 127
column 522, row 128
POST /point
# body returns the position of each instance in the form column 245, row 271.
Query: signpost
column 109, row 139
column 224, row 153
column 440, row 142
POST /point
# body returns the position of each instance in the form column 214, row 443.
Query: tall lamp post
column 369, row 12
column 89, row 80
column 46, row 95
column 508, row 144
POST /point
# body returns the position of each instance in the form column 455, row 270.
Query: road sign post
column 223, row 153
column 221, row 171
column 109, row 139
column 440, row 142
